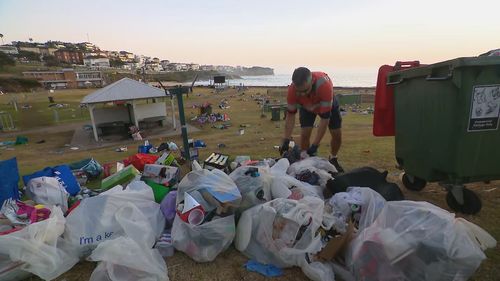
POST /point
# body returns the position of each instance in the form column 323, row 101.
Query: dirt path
column 49, row 129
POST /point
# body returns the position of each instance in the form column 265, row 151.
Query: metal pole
column 94, row 129
column 173, row 112
column 56, row 116
column 182, row 118
column 168, row 94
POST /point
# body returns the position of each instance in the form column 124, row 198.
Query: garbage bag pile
column 354, row 225
column 63, row 222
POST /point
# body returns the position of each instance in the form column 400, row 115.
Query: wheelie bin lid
column 441, row 70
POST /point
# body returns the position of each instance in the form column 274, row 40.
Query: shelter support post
column 94, row 129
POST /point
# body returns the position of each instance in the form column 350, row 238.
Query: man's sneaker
column 335, row 163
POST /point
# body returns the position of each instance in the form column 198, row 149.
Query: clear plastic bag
column 417, row 241
column 215, row 180
column 270, row 183
column 321, row 166
column 285, row 186
column 338, row 209
column 203, row 242
column 40, row 247
column 130, row 257
column 95, row 219
column 283, row 232
column 255, row 187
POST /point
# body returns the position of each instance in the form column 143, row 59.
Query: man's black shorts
column 307, row 118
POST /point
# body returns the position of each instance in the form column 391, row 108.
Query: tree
column 30, row 56
column 51, row 61
column 6, row 60
column 116, row 63
column 1, row 36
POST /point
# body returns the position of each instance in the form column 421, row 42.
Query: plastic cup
column 196, row 217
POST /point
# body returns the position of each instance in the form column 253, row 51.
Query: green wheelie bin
column 447, row 126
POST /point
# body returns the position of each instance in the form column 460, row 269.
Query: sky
column 332, row 35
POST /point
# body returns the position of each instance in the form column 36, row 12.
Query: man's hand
column 313, row 150
column 285, row 146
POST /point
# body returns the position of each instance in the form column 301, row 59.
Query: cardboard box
column 160, row 173
column 166, row 159
column 337, row 245
column 121, row 177
column 216, row 161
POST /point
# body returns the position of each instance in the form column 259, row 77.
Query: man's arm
column 326, row 94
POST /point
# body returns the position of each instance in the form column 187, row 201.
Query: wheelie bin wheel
column 413, row 183
column 471, row 202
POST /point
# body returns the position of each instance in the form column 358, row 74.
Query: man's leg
column 306, row 124
column 305, row 135
column 335, row 141
column 335, row 126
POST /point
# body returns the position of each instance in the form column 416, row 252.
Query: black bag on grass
column 364, row 177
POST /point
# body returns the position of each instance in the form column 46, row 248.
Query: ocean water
column 342, row 79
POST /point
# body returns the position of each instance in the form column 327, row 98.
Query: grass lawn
column 40, row 114
column 359, row 148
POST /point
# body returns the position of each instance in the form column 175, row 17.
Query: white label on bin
column 485, row 108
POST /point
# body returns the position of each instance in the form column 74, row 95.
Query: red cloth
column 318, row 100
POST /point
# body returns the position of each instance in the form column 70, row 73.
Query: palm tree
column 1, row 36
column 31, row 39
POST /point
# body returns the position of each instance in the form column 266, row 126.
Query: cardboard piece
column 161, row 174
column 337, row 245
column 159, row 190
column 189, row 203
column 217, row 161
column 166, row 159
column 121, row 177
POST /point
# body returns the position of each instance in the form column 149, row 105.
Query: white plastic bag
column 40, row 247
column 417, row 241
column 95, row 219
column 255, row 188
column 270, row 183
column 321, row 166
column 130, row 257
column 205, row 241
column 283, row 232
column 48, row 191
column 338, row 209
column 215, row 180
column 285, row 186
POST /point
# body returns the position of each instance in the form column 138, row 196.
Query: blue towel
column 267, row 270
column 9, row 176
